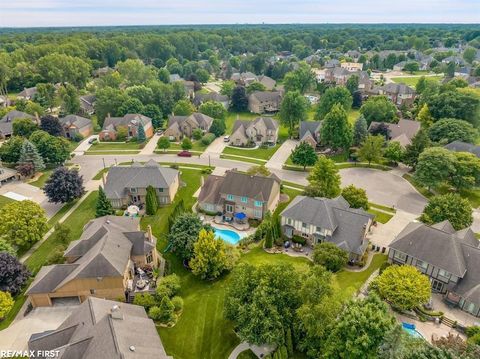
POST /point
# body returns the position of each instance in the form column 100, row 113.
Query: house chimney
column 149, row 233
column 116, row 313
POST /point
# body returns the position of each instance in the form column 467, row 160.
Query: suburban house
column 103, row 263
column 6, row 174
column 402, row 132
column 310, row 132
column 399, row 94
column 262, row 130
column 264, row 102
column 340, row 76
column 126, row 185
column 328, row 220
column 352, row 66
column 450, row 258
column 101, row 328
column 130, row 121
column 211, row 96
column 6, row 123
column 459, row 146
column 399, row 66
column 75, row 126
column 332, row 63
column 27, row 94
column 183, row 126
column 87, row 104
column 237, row 192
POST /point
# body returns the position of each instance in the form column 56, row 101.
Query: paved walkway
column 150, row 146
column 282, row 154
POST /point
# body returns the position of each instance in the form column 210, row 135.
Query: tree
column 302, row 79
column 255, row 86
column 29, row 154
column 131, row 105
column 411, row 67
column 25, row 170
column 6, row 304
column 336, row 130
column 463, row 104
column 62, row 233
column 380, row 129
column 425, row 117
column 261, row 170
column 5, row 246
column 435, row 165
column 57, row 67
column 122, row 133
column 45, row 95
column 183, row 108
column 360, row 130
column 404, row 287
column 213, row 109
column 197, row 134
column 333, row 95
column 261, row 300
column 13, row 274
column 218, row 127
column 356, row 197
column 153, row 111
column 451, row 207
column 371, row 149
column 330, row 256
column 211, row 256
column 70, row 99
column 51, row 125
column 379, row 109
column 239, row 99
column 419, row 142
column 103, row 207
column 24, row 127
column 184, row 233
column 163, row 143
column 304, row 155
column 186, row 144
column 469, row 54
column 371, row 320
column 467, row 171
column 352, row 84
column 54, row 150
column 227, row 88
column 449, row 129
column 141, row 137
column 135, row 72
column 324, row 179
column 11, row 149
column 145, row 300
column 167, row 310
column 394, row 152
column 108, row 102
column 64, row 186
column 151, row 201
column 168, row 286
column 293, row 110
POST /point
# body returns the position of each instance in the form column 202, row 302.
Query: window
column 149, row 257
column 229, row 208
column 133, row 190
column 444, row 273
column 304, row 225
column 257, row 213
column 422, row 264
column 258, row 203
column 402, row 257
column 160, row 190
column 437, row 286
column 92, row 291
column 319, row 229
column 289, row 221
column 230, row 197
column 244, row 199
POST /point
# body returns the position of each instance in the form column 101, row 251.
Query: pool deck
column 242, row 234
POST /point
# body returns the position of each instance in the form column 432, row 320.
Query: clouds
column 142, row 12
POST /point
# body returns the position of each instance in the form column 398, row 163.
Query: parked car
column 184, row 154
column 92, row 140
column 159, row 132
column 226, row 139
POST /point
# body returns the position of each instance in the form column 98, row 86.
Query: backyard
column 412, row 80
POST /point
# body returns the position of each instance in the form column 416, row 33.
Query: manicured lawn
column 247, row 354
column 84, row 213
column 379, row 206
column 380, row 216
column 113, row 148
column 4, row 200
column 412, row 80
column 100, row 173
column 257, row 153
column 197, row 146
column 52, row 221
column 243, row 159
column 40, row 181
column 351, row 282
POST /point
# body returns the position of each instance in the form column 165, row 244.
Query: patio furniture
column 240, row 217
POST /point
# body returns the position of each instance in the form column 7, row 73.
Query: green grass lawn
column 113, row 148
column 4, row 200
column 40, row 181
column 257, row 153
column 197, row 146
column 249, row 160
column 100, row 173
column 412, row 80
column 380, row 216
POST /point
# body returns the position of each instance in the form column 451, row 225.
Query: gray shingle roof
column 408, row 128
column 75, row 120
column 121, row 178
column 459, row 146
column 6, row 123
column 264, row 96
column 101, row 328
column 309, row 126
column 126, row 120
column 347, row 224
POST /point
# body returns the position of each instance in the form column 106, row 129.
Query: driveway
column 282, row 154
column 384, row 234
column 215, row 148
column 151, row 145
column 84, row 145
column 385, row 188
column 16, row 336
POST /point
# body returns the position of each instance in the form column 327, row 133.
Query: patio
column 143, row 282
column 453, row 313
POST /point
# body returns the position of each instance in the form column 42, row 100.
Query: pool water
column 412, row 331
column 227, row 235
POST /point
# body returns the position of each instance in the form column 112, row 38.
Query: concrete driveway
column 84, row 145
column 384, row 234
column 151, row 145
column 282, row 154
column 385, row 188
column 215, row 148
column 16, row 336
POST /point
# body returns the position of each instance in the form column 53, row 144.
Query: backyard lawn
column 412, row 80
column 256, row 153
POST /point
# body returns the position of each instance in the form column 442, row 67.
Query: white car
column 226, row 139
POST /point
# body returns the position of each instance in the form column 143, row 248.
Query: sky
column 38, row 13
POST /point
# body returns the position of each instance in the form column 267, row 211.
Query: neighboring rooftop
column 459, row 146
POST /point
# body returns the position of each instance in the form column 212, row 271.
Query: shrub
column 177, row 303
column 6, row 303
column 384, row 266
column 145, row 300
column 299, row 240
column 208, row 139
column 330, row 256
column 56, row 257
column 197, row 134
column 155, row 313
column 168, row 286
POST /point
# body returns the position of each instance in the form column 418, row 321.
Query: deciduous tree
column 332, row 96
column 356, row 197
column 451, row 207
column 163, row 143
column 304, row 155
column 184, row 233
column 51, row 125
column 6, row 303
column 449, row 129
column 324, row 179
column 380, row 109
column 434, row 167
column 394, row 152
column 64, row 186
column 336, row 130
column 213, row 109
column 371, row 149
column 24, row 127
column 13, row 274
column 293, row 110
column 239, row 100
column 330, row 256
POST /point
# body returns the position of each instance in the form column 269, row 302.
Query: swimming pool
column 410, row 329
column 228, row 235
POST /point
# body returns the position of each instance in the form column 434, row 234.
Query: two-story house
column 264, row 102
column 398, row 93
column 310, row 132
column 183, row 126
column 328, row 220
column 236, row 193
column 101, row 263
column 402, row 132
column 74, row 126
column 262, row 130
column 131, row 122
column 450, row 258
column 125, row 185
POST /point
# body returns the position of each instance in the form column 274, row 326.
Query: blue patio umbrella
column 240, row 215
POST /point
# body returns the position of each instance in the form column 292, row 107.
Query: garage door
column 65, row 301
